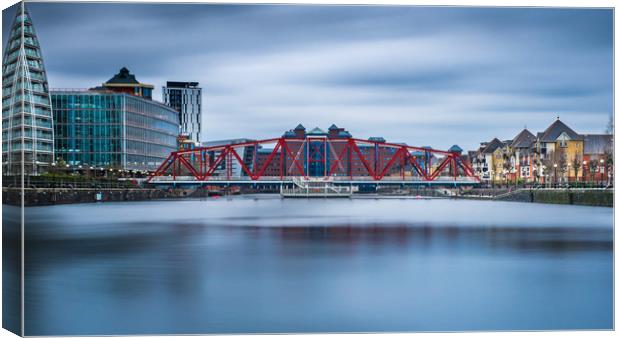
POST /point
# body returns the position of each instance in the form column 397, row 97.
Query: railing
column 302, row 183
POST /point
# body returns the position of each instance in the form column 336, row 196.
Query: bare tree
column 561, row 160
column 576, row 163
column 555, row 162
column 609, row 129
column 547, row 164
column 592, row 168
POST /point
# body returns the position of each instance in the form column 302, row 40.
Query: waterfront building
column 27, row 134
column 100, row 128
column 523, row 156
column 186, row 99
column 317, row 153
column 560, row 151
column 125, row 82
column 556, row 155
column 502, row 166
column 597, row 164
column 483, row 164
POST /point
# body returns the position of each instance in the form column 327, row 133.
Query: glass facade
column 186, row 98
column 27, row 134
column 102, row 129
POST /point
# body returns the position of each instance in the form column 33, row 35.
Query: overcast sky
column 422, row 75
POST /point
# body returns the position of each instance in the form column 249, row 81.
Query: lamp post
column 583, row 171
column 602, row 169
column 555, row 173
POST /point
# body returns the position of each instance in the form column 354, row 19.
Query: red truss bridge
column 340, row 160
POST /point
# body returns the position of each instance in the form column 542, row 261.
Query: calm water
column 249, row 264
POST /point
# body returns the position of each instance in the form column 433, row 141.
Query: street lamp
column 555, row 172
column 583, row 171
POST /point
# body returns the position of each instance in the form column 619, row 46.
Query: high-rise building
column 186, row 98
column 27, row 133
column 100, row 128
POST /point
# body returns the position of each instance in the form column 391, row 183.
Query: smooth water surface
column 263, row 264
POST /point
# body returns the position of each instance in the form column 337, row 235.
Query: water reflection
column 228, row 272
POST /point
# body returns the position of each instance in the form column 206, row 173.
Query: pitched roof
column 455, row 148
column 300, row 127
column 316, row 131
column 523, row 140
column 344, row 133
column 492, row 146
column 556, row 129
column 333, row 127
column 597, row 144
column 123, row 76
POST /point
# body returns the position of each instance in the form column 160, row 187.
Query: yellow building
column 560, row 150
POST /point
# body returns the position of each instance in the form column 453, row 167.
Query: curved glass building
column 27, row 128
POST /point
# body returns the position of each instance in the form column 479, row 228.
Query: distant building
column 125, row 82
column 560, row 149
column 598, row 157
column 321, row 157
column 186, row 99
column 247, row 153
column 27, row 134
column 319, row 153
column 109, row 129
column 556, row 155
column 483, row 164
column 523, row 157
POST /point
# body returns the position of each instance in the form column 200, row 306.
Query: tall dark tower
column 27, row 128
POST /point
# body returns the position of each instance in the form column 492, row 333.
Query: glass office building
column 186, row 98
column 104, row 129
column 27, row 134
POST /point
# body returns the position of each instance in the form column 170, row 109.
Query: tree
column 609, row 162
column 555, row 162
column 547, row 165
column 576, row 165
column 506, row 165
column 610, row 125
column 592, row 168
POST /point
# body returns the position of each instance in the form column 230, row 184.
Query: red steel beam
column 176, row 159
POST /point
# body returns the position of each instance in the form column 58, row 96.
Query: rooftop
column 175, row 84
column 556, row 129
column 317, row 131
column 123, row 76
column 597, row 144
column 523, row 140
column 225, row 142
column 492, row 146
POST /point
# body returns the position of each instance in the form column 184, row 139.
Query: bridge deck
column 190, row 180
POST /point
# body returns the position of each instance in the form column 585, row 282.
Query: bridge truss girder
column 314, row 156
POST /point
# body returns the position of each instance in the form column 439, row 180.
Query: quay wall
column 561, row 196
column 51, row 196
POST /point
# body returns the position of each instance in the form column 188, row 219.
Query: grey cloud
column 422, row 75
